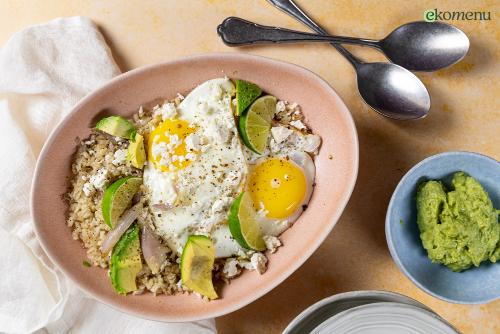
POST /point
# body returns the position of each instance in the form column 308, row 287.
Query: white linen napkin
column 44, row 71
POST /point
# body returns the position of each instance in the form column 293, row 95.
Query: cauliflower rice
column 100, row 160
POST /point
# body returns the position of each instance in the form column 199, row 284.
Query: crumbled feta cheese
column 245, row 263
column 179, row 158
column 165, row 160
column 280, row 106
column 274, row 146
column 174, row 140
column 192, row 142
column 298, row 124
column 166, row 111
column 221, row 204
column 262, row 212
column 220, row 134
column 99, row 179
column 88, row 189
column 272, row 243
column 231, row 268
column 311, row 143
column 119, row 157
column 233, row 178
column 280, row 133
column 158, row 148
column 258, row 261
column 191, row 156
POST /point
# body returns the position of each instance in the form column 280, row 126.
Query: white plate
column 317, row 313
column 385, row 318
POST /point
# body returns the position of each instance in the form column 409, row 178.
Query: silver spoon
column 387, row 88
column 416, row 46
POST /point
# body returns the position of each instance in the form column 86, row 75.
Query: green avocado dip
column 458, row 228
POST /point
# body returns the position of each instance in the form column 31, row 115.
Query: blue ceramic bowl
column 473, row 286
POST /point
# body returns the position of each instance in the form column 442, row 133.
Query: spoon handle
column 289, row 7
column 236, row 32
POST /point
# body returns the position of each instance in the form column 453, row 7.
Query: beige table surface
column 465, row 115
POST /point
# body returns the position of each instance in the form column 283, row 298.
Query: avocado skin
column 126, row 261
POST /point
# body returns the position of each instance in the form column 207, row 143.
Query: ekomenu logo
column 432, row 15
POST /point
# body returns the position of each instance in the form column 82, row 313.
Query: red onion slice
column 127, row 218
column 152, row 249
column 161, row 207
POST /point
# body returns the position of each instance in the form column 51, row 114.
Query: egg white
column 199, row 196
column 197, row 199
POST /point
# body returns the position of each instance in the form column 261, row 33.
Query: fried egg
column 197, row 166
column 281, row 187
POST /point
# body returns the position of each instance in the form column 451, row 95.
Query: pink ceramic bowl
column 336, row 166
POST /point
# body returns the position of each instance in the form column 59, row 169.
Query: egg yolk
column 171, row 132
column 280, row 185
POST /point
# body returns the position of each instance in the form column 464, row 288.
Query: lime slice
column 126, row 261
column 243, row 223
column 197, row 262
column 246, row 93
column 117, row 198
column 255, row 124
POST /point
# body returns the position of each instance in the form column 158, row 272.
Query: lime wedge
column 246, row 93
column 197, row 262
column 255, row 124
column 126, row 261
column 243, row 223
column 117, row 198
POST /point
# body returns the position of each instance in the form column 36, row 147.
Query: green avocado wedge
column 116, row 126
column 136, row 154
column 126, row 261
column 197, row 262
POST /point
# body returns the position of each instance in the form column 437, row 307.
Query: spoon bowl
column 425, row 46
column 375, row 84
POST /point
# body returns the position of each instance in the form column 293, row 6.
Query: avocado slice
column 246, row 93
column 136, row 153
column 116, row 126
column 197, row 262
column 126, row 261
